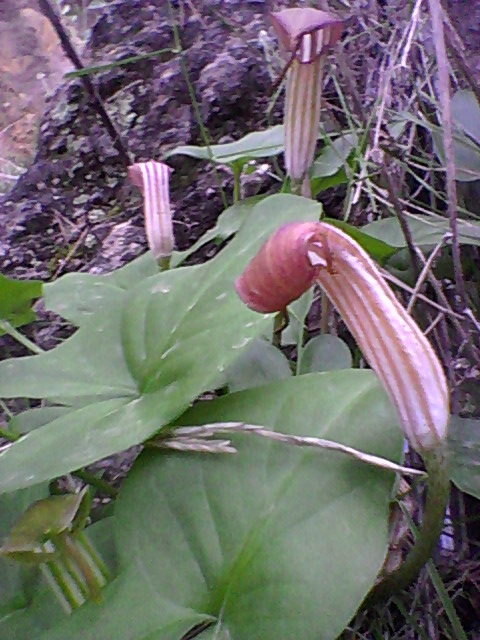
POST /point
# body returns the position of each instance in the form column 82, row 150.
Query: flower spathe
column 153, row 180
column 306, row 34
column 299, row 254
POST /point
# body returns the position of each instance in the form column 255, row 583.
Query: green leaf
column 139, row 361
column 228, row 223
column 259, row 144
column 13, row 576
column 330, row 167
column 325, row 353
column 334, row 156
column 257, row 365
column 466, row 154
column 16, row 299
column 43, row 520
column 466, row 139
column 76, row 296
column 425, row 230
column 297, row 314
column 34, row 418
column 466, row 113
column 44, row 612
column 274, row 542
column 317, row 185
column 380, row 250
column 466, row 146
column 464, row 446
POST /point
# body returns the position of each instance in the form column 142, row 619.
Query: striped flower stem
column 299, row 254
column 153, row 180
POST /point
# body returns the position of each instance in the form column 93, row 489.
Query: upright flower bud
column 306, row 34
column 153, row 180
column 298, row 254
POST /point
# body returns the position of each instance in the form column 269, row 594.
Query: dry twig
column 69, row 49
column 446, row 117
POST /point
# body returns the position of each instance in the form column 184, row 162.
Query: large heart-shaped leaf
column 274, row 542
column 141, row 359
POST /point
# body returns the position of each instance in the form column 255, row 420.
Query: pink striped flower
column 306, row 34
column 299, row 254
column 153, row 180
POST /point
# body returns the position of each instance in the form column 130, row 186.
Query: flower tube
column 153, row 180
column 307, row 34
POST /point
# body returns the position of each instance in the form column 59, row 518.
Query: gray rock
column 77, row 170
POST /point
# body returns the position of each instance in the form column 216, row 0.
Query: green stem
column 61, row 583
column 97, row 483
column 19, row 337
column 164, row 263
column 84, row 542
column 280, row 323
column 70, row 552
column 237, row 174
column 8, row 435
column 438, row 491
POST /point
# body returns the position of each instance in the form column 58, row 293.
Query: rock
column 77, row 171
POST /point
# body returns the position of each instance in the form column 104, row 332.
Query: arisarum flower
column 153, row 180
column 306, row 34
column 299, row 254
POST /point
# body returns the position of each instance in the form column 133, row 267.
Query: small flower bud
column 153, row 180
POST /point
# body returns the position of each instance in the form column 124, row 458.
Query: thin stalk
column 237, row 174
column 446, row 121
column 97, row 483
column 8, row 435
column 96, row 560
column 67, row 592
column 70, row 552
column 19, row 337
column 164, row 263
column 325, row 306
column 438, row 491
column 280, row 323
